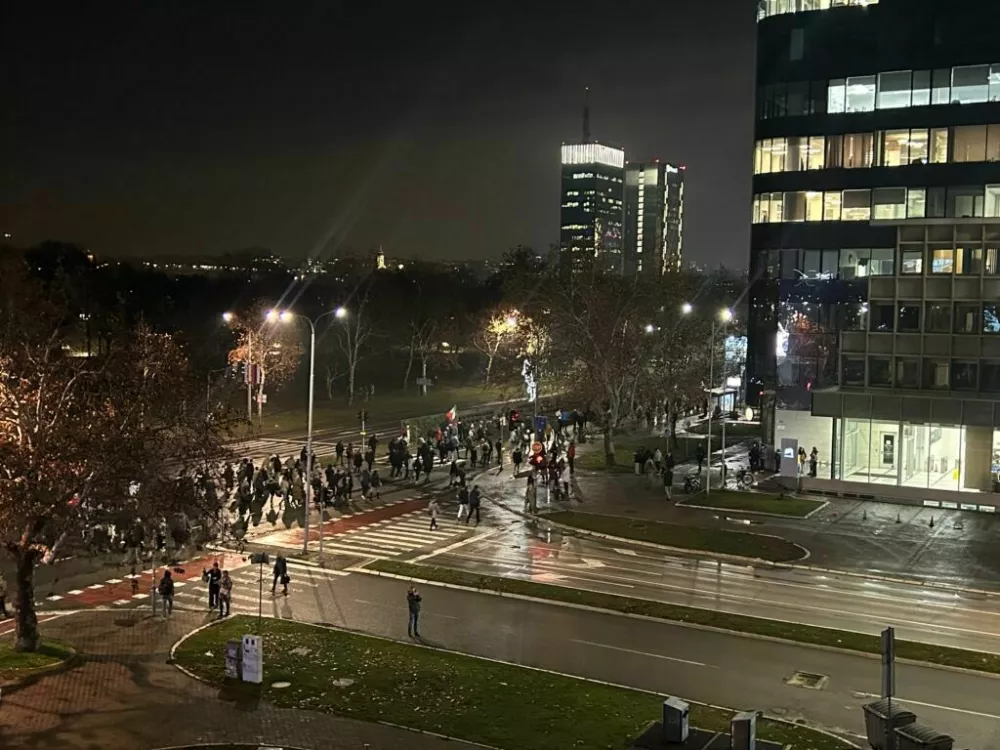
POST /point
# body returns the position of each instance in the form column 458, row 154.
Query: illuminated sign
column 593, row 153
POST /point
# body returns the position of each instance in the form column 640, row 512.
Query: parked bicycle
column 692, row 483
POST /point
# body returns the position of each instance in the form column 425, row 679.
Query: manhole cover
column 342, row 682
column 280, row 685
column 809, row 680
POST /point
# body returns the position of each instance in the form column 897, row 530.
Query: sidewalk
column 126, row 695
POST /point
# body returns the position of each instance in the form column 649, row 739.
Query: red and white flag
column 452, row 414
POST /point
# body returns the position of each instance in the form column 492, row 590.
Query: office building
column 591, row 218
column 874, row 324
column 654, row 218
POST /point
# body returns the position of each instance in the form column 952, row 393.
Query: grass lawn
column 17, row 664
column 754, row 502
column 592, row 457
column 809, row 634
column 721, row 541
column 497, row 704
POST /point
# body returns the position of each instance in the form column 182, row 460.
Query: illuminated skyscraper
column 591, row 225
column 654, row 218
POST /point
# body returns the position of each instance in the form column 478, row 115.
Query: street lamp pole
column 250, row 375
column 711, row 410
column 309, row 443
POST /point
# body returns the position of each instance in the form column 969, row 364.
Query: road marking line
column 630, row 552
column 140, row 596
column 457, row 545
column 75, row 592
column 53, row 597
column 642, row 653
column 935, row 705
column 120, row 602
column 96, row 586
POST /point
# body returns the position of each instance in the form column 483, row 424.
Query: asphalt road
column 700, row 665
column 931, row 615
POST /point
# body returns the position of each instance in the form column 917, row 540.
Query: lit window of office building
column 874, row 326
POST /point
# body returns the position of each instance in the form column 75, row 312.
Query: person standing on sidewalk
column 499, row 446
column 432, row 508
column 225, row 594
column 214, row 578
column 166, row 592
column 3, row 597
column 413, row 600
column 571, row 456
column 280, row 574
column 668, row 479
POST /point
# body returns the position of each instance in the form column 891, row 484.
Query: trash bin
column 919, row 737
column 877, row 721
column 743, row 728
column 675, row 720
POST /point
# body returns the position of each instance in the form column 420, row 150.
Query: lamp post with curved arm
column 284, row 317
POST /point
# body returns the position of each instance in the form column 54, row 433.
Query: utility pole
column 249, row 375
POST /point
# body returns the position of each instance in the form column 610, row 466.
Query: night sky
column 151, row 127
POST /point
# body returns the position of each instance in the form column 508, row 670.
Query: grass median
column 497, row 704
column 721, row 541
column 787, row 631
column 16, row 665
column 754, row 502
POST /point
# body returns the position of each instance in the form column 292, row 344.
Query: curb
column 701, row 555
column 26, row 680
column 820, row 504
column 675, row 623
column 497, row 661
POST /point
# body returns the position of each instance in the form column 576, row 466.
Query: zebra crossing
column 391, row 538
column 252, row 586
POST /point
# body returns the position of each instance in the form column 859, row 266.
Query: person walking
column 376, row 484
column 475, row 500
column 213, row 577
column 517, row 460
column 433, row 509
column 225, row 594
column 166, row 592
column 463, row 503
column 280, row 574
column 571, row 456
column 499, row 448
column 413, row 600
column 668, row 480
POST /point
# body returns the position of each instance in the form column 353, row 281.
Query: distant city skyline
column 170, row 129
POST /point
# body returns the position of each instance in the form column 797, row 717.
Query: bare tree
column 85, row 439
column 496, row 336
column 352, row 333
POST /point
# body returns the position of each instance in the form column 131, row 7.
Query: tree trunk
column 351, row 366
column 329, row 383
column 26, row 620
column 672, row 423
column 489, row 368
column 409, row 367
column 609, row 447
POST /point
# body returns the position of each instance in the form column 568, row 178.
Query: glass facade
column 967, row 84
column 922, row 456
column 768, row 8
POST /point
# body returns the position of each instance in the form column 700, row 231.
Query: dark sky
column 151, row 127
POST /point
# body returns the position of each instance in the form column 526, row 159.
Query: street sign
column 536, row 447
column 888, row 663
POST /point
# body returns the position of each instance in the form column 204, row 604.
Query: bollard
column 898, row 519
column 932, row 522
column 864, row 515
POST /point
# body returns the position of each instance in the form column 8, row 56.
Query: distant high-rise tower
column 654, row 218
column 592, row 211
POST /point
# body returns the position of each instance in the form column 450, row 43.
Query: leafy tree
column 498, row 336
column 87, row 439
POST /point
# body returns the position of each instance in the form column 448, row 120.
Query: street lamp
column 686, row 308
column 286, row 316
column 725, row 315
column 650, row 328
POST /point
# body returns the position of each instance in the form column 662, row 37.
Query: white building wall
column 811, row 432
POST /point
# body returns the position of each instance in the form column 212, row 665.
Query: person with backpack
column 376, row 484
column 166, row 591
column 475, row 499
column 225, row 594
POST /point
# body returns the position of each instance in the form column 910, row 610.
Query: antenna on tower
column 586, row 115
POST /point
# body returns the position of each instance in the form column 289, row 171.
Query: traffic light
column 362, row 416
